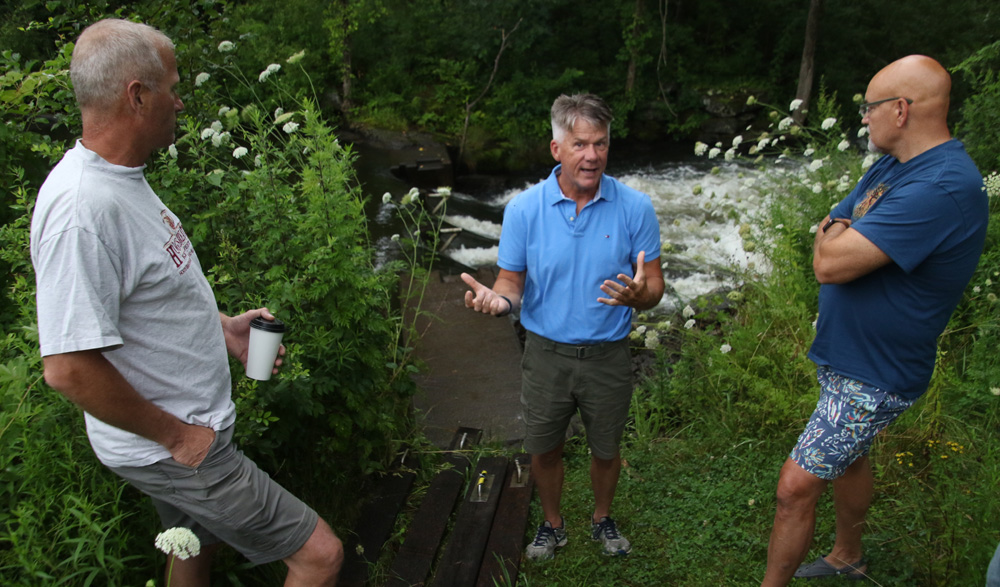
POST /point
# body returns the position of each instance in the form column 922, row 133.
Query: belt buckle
column 581, row 352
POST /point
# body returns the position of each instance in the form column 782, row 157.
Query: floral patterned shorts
column 848, row 415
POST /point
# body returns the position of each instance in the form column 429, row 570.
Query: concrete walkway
column 473, row 366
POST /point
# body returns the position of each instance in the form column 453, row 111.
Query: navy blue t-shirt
column 929, row 216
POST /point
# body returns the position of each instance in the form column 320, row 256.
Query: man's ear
column 554, row 149
column 135, row 94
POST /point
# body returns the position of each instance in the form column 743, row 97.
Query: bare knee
column 797, row 489
column 319, row 560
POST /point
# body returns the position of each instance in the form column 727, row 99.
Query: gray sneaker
column 607, row 533
column 547, row 540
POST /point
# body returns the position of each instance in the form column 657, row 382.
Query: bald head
column 919, row 78
column 907, row 128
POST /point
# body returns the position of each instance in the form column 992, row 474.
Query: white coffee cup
column 265, row 339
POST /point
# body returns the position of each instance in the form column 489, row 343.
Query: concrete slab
column 473, row 366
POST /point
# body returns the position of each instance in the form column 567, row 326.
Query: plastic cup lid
column 267, row 325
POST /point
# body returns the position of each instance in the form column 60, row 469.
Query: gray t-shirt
column 115, row 271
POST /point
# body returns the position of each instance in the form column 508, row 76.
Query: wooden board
column 502, row 559
column 463, row 555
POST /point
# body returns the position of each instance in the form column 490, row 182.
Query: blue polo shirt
column 567, row 256
column 929, row 216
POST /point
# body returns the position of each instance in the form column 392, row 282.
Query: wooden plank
column 459, row 566
column 375, row 523
column 502, row 560
column 413, row 561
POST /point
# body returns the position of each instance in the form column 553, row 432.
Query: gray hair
column 567, row 109
column 111, row 53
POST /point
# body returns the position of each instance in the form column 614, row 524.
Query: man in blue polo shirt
column 893, row 259
column 577, row 253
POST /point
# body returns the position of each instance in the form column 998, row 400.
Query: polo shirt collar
column 555, row 196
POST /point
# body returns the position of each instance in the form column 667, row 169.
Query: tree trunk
column 807, row 69
column 637, row 17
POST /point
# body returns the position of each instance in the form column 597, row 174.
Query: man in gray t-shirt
column 130, row 331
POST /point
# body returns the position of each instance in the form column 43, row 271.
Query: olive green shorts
column 559, row 379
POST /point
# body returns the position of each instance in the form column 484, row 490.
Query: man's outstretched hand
column 483, row 299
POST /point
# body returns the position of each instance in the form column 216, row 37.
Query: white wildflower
column 290, row 127
column 714, row 152
column 785, row 123
column 652, row 339
column 730, row 154
column 737, row 140
column 977, row 289
column 725, row 348
column 862, row 131
column 700, row 148
column 751, row 101
column 221, row 139
column 443, row 192
column 794, row 105
column 818, row 188
column 283, row 117
column 208, row 133
column 995, row 390
column 239, row 152
column 410, row 196
column 258, row 161
column 641, row 329
column 869, row 160
column 394, row 238
column 172, row 151
column 224, row 110
column 386, row 198
column 814, row 229
column 828, row 123
column 844, row 145
column 263, row 76
column 688, row 311
column 217, row 126
column 808, row 152
column 226, row 46
column 179, row 542
column 297, row 57
column 816, row 165
column 274, row 68
column 200, row 79
column 278, row 111
column 689, row 324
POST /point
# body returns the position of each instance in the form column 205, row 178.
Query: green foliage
column 980, row 120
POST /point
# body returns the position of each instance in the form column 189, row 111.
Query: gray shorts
column 557, row 380
column 227, row 499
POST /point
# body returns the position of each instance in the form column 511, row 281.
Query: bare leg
column 604, row 482
column 194, row 571
column 548, row 471
column 318, row 562
column 852, row 495
column 794, row 522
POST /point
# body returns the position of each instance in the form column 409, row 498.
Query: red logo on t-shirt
column 178, row 246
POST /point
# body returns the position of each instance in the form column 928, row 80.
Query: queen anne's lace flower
column 687, row 312
column 297, row 57
column 785, row 123
column 179, row 542
column 816, row 165
column 290, row 127
column 844, row 145
column 239, row 152
column 386, row 198
column 200, row 79
column 172, row 151
column 828, row 123
column 725, row 348
column 689, row 324
column 714, row 152
column 226, row 46
column 794, row 105
column 700, row 148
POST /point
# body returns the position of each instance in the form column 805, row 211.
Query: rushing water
column 700, row 212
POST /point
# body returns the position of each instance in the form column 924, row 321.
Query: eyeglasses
column 865, row 108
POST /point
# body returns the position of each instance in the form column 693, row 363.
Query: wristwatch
column 834, row 221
